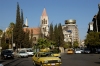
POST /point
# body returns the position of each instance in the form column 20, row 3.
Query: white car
column 30, row 52
column 77, row 51
column 1, row 65
column 22, row 53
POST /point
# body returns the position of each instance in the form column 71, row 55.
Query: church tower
column 44, row 22
column 26, row 23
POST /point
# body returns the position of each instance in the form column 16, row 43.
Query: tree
column 4, row 45
column 18, row 29
column 61, row 36
column 92, row 39
column 9, row 33
column 51, row 33
column 31, row 38
column 75, row 44
column 1, row 31
column 43, row 43
column 8, row 36
column 26, row 39
column 56, row 35
column 67, row 45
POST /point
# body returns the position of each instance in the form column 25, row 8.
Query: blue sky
column 57, row 10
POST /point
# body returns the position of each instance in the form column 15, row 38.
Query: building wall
column 73, row 35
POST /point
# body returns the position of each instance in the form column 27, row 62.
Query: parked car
column 22, row 53
column 5, row 54
column 86, row 51
column 98, row 50
column 1, row 65
column 77, row 51
column 30, row 52
column 46, row 59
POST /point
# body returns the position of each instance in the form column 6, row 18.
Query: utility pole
column 12, row 39
column 0, row 45
column 72, row 39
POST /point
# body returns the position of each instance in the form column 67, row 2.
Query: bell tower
column 44, row 23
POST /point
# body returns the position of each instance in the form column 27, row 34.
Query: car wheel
column 3, row 58
column 34, row 63
column 41, row 64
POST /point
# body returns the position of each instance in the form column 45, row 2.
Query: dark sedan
column 86, row 51
column 7, row 54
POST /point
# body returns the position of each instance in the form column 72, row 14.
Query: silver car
column 22, row 53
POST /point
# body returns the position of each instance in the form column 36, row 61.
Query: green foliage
column 43, row 43
column 21, row 38
column 4, row 45
column 60, row 34
column 67, row 45
column 55, row 50
column 75, row 44
column 51, row 33
column 92, row 39
column 1, row 31
column 26, row 42
column 56, row 34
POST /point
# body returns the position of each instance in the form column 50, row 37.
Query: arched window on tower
column 45, row 29
column 42, row 22
column 46, row 21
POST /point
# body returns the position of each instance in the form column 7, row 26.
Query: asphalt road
column 80, row 60
column 67, row 60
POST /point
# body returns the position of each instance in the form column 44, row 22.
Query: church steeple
column 44, row 12
column 44, row 23
column 26, row 23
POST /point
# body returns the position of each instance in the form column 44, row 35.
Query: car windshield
column 8, row 51
column 44, row 54
column 77, row 49
column 86, row 49
column 29, row 51
column 22, row 52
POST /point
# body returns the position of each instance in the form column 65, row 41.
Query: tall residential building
column 44, row 23
column 70, row 31
column 95, row 22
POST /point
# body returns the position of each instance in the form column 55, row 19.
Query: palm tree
column 9, row 33
column 1, row 32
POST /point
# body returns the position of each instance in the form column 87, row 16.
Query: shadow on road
column 97, row 62
column 2, row 61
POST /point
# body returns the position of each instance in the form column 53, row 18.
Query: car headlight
column 5, row 55
column 45, row 61
column 59, row 60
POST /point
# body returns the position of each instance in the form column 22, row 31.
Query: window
column 46, row 22
column 42, row 22
column 34, row 38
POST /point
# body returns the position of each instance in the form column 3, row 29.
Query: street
column 80, row 60
column 67, row 60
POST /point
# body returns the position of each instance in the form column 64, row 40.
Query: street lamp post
column 12, row 39
column 0, row 44
column 72, row 39
column 43, row 33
